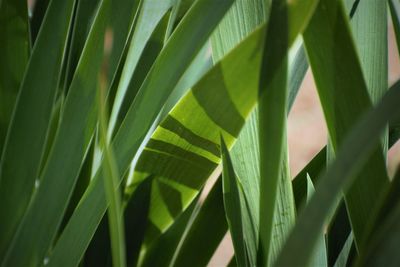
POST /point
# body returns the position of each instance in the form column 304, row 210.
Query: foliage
column 137, row 108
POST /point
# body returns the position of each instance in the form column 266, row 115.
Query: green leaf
column 27, row 132
column 286, row 20
column 319, row 258
column 135, row 216
column 193, row 144
column 197, row 69
column 369, row 28
column 344, row 97
column 384, row 238
column 232, row 203
column 343, row 257
column 350, row 159
column 298, row 67
column 160, row 253
column 272, row 122
column 240, row 21
column 383, row 251
column 83, row 19
column 242, row 18
column 149, row 54
column 14, row 52
column 39, row 11
column 70, row 146
column 111, row 184
column 313, row 169
column 338, row 232
column 122, row 21
column 181, row 48
column 150, row 13
column 209, row 225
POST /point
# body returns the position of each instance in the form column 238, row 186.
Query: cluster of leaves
column 128, row 108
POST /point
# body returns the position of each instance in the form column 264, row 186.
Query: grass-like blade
column 181, row 48
column 83, row 19
column 61, row 170
column 352, row 155
column 241, row 19
column 111, row 185
column 341, row 260
column 272, row 103
column 150, row 13
column 337, row 234
column 26, row 137
column 38, row 14
column 344, row 97
column 149, row 54
column 161, row 252
column 14, row 51
column 313, row 169
column 232, row 203
column 319, row 258
column 208, row 225
column 384, row 238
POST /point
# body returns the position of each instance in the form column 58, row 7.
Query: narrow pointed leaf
column 111, row 182
column 26, row 137
column 341, row 260
column 39, row 11
column 162, row 250
column 233, row 207
column 353, row 154
column 192, row 33
column 344, row 97
column 211, row 220
column 14, row 52
column 319, row 258
column 150, row 13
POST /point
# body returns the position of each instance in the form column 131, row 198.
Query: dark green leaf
column 350, row 159
column 232, row 203
column 26, row 135
column 204, row 233
column 164, row 75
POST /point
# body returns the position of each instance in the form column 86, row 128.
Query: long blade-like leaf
column 319, row 258
column 14, row 52
column 181, row 48
column 232, row 205
column 111, row 182
column 26, row 135
column 344, row 97
column 385, row 238
column 272, row 122
column 162, row 250
column 351, row 157
column 72, row 139
column 150, row 14
column 210, row 219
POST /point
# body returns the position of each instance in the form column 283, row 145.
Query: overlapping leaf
column 344, row 97
column 182, row 47
column 27, row 132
